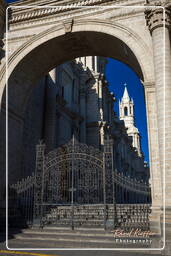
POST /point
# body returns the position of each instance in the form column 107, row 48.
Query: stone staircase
column 53, row 236
column 56, row 237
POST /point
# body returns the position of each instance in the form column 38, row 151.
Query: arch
column 88, row 37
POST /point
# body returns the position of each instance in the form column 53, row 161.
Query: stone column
column 162, row 68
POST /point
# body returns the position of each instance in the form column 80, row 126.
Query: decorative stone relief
column 155, row 17
column 68, row 24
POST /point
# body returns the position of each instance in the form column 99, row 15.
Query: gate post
column 104, row 188
column 37, row 214
column 109, row 182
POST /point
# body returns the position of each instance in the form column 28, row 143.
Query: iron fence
column 76, row 185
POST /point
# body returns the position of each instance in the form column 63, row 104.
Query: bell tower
column 126, row 109
column 126, row 112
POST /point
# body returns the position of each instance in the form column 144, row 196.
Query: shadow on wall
column 16, row 221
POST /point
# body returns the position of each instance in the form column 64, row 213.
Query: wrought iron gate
column 76, row 185
column 69, row 180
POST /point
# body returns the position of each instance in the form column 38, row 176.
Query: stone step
column 98, row 232
column 68, row 243
column 60, row 234
column 56, row 238
column 65, row 237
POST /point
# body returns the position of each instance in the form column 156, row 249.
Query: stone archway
column 58, row 44
column 64, row 42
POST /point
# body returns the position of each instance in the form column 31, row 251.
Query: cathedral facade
column 74, row 99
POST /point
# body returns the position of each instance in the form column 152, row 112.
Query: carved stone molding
column 155, row 17
column 33, row 13
column 68, row 24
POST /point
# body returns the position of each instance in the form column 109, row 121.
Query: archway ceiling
column 60, row 49
column 54, row 52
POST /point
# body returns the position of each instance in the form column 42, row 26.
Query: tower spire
column 125, row 95
column 126, row 110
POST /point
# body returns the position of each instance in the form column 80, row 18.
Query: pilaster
column 159, row 23
column 155, row 174
column 161, row 47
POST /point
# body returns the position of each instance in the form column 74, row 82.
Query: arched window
column 125, row 111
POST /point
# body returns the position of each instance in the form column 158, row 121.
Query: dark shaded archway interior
column 64, row 48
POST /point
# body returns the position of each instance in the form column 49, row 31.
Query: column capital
column 155, row 16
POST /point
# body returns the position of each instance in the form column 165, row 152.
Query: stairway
column 57, row 237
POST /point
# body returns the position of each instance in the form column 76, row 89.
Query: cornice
column 64, row 2
column 60, row 8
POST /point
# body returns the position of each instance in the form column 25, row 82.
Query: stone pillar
column 50, row 111
column 39, row 173
column 155, row 174
column 162, row 67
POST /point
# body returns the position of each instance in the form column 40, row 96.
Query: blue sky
column 117, row 74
